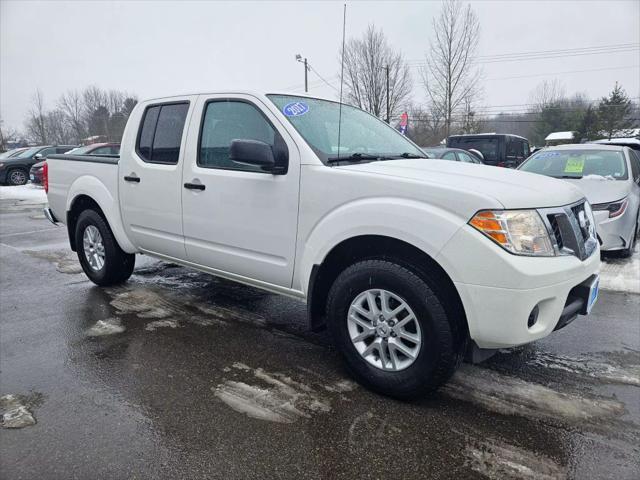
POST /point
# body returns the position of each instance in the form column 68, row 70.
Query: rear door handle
column 132, row 178
column 194, row 186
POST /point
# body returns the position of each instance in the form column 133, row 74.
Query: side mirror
column 252, row 152
column 38, row 156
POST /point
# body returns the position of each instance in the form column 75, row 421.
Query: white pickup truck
column 411, row 262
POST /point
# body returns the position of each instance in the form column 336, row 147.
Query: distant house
column 559, row 138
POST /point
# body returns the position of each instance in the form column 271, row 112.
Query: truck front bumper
column 511, row 300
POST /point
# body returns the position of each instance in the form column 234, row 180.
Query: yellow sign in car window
column 574, row 165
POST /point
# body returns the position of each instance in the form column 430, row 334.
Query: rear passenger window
column 161, row 133
column 229, row 120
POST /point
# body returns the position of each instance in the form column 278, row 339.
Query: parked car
column 501, row 150
column 15, row 170
column 631, row 142
column 411, row 263
column 97, row 149
column 455, row 154
column 609, row 177
column 13, row 152
column 35, row 173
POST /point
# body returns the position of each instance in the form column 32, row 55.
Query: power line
column 565, row 72
column 519, row 58
column 323, row 79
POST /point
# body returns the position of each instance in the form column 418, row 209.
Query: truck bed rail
column 109, row 159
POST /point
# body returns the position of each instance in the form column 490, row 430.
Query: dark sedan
column 15, row 170
column 453, row 154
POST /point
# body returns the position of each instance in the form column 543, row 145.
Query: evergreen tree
column 613, row 112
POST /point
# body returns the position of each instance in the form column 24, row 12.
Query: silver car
column 609, row 176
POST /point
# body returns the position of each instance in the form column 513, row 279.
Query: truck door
column 150, row 177
column 239, row 219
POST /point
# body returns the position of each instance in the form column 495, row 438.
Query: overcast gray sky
column 154, row 48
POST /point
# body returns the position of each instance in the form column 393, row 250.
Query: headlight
column 1, row 164
column 521, row 232
column 615, row 209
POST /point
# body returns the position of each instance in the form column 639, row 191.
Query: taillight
column 45, row 177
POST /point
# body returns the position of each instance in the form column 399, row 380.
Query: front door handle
column 132, row 178
column 194, row 186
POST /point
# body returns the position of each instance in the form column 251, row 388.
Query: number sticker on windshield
column 295, row 109
column 574, row 165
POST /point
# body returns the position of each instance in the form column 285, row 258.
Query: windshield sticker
column 295, row 109
column 548, row 154
column 574, row 165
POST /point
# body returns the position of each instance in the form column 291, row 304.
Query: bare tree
column 451, row 74
column 547, row 93
column 366, row 61
column 71, row 104
column 36, row 125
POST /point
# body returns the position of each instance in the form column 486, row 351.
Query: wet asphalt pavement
column 181, row 375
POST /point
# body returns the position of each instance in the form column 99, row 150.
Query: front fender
column 422, row 225
column 93, row 188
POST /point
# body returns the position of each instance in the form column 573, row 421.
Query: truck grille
column 572, row 229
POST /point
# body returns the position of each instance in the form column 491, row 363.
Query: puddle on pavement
column 600, row 370
column 16, row 410
column 274, row 397
column 512, row 396
column 66, row 261
column 110, row 326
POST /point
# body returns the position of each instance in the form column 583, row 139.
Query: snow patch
column 66, row 261
column 513, row 396
column 161, row 324
column 278, row 398
column 15, row 414
column 621, row 274
column 25, row 194
column 110, row 326
column 498, row 460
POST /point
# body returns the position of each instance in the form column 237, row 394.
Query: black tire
column 17, row 176
column 437, row 358
column 118, row 265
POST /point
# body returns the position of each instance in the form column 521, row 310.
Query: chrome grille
column 572, row 229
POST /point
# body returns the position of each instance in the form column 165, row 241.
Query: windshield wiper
column 570, row 176
column 411, row 155
column 354, row 157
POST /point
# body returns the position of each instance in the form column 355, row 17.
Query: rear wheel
column 102, row 259
column 17, row 176
column 391, row 329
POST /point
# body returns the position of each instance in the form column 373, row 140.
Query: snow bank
column 30, row 193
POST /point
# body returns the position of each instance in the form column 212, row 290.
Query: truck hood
column 512, row 188
column 601, row 190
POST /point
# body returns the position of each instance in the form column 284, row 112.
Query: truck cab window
column 161, row 133
column 225, row 121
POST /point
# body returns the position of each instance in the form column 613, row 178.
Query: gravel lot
column 181, row 375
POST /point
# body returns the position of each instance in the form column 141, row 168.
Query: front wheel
column 17, row 176
column 102, row 259
column 391, row 328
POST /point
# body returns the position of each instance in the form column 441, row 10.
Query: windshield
column 361, row 134
column 81, row 150
column 28, row 153
column 10, row 153
column 487, row 146
column 600, row 164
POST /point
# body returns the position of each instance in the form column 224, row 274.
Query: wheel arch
column 364, row 247
column 89, row 192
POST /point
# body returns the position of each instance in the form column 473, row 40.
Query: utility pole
column 388, row 113
column 306, row 70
